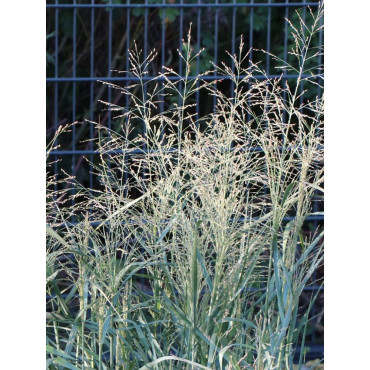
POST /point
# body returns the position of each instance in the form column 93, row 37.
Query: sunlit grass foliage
column 190, row 254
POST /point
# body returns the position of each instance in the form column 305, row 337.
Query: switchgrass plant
column 191, row 253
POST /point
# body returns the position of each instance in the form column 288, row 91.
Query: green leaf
column 71, row 339
column 50, row 35
column 65, row 363
column 106, row 324
column 171, row 358
column 204, row 270
column 286, row 193
column 55, row 352
column 167, row 229
column 246, row 322
column 56, row 236
column 194, row 274
column 309, row 249
column 211, row 350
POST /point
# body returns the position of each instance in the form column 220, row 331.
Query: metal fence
column 87, row 40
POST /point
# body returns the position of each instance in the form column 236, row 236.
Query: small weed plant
column 190, row 254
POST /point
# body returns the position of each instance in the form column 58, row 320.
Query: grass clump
column 191, row 254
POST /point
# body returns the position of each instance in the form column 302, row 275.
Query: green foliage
column 190, row 263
